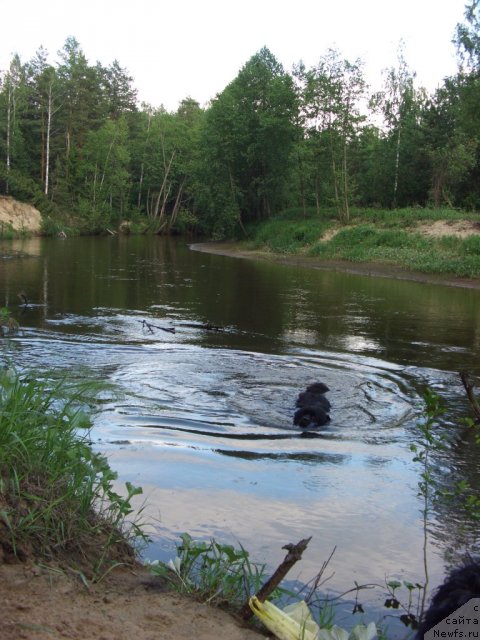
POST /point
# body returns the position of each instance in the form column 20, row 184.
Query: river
column 201, row 417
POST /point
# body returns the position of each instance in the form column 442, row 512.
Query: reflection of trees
column 391, row 314
column 274, row 303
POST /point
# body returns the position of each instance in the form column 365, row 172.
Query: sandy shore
column 40, row 604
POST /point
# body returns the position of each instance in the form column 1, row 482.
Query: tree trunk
column 346, row 208
column 9, row 98
column 47, row 150
column 162, row 194
column 176, row 206
column 397, row 166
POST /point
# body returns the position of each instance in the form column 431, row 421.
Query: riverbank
column 301, row 260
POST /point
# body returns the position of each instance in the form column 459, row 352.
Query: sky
column 179, row 48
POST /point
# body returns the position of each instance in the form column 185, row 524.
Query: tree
column 119, row 93
column 451, row 148
column 14, row 100
column 43, row 107
column 164, row 150
column 248, row 137
column 104, row 172
column 333, row 90
column 84, row 105
column 467, row 39
column 395, row 102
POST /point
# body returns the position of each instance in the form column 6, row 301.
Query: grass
column 373, row 235
column 57, row 497
column 366, row 243
column 287, row 236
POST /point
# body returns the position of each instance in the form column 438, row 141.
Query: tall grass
column 57, row 497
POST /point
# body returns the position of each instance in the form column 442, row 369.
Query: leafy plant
column 212, row 572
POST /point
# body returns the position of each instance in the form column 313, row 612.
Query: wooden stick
column 294, row 555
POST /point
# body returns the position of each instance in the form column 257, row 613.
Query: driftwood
column 294, row 555
column 151, row 327
column 206, row 327
column 465, row 378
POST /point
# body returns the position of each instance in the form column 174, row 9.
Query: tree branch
column 294, row 554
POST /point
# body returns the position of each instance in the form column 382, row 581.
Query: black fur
column 308, row 417
column 313, row 407
column 317, row 387
column 307, row 399
column 459, row 587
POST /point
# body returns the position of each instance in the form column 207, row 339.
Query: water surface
column 202, row 417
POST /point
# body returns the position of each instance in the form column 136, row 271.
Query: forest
column 75, row 142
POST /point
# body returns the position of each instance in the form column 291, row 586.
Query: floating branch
column 207, row 326
column 294, row 554
column 151, row 327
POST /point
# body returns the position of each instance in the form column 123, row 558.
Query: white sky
column 179, row 48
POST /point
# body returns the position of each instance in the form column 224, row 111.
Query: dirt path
column 40, row 604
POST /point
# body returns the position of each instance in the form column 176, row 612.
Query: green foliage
column 57, row 495
column 213, row 572
column 284, row 236
column 247, row 139
column 73, row 139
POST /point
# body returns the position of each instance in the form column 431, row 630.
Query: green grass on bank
column 389, row 237
column 57, row 497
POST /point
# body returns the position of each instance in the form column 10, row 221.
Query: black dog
column 312, row 407
column 307, row 399
column 459, row 587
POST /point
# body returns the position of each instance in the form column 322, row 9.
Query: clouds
column 195, row 48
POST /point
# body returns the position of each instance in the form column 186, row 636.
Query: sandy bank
column 19, row 216
column 41, row 604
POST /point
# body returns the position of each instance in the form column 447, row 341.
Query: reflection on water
column 202, row 418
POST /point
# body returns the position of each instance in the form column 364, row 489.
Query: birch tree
column 14, row 93
column 395, row 102
column 333, row 92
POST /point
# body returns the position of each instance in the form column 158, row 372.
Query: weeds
column 213, row 572
column 57, row 497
